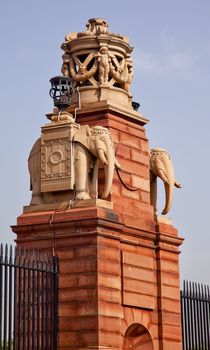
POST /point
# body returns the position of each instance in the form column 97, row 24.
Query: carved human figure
column 129, row 67
column 103, row 59
column 161, row 166
column 65, row 65
column 91, row 145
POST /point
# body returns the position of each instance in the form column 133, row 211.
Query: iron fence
column 195, row 312
column 28, row 300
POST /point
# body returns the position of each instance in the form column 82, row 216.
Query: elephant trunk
column 169, row 188
column 108, row 170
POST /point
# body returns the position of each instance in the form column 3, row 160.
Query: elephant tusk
column 101, row 156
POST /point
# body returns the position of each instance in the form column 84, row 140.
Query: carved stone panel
column 57, row 170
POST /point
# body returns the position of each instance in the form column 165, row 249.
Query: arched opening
column 137, row 337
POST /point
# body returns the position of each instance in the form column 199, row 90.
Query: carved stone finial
column 99, row 63
column 97, row 26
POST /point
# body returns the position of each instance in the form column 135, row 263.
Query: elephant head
column 161, row 166
column 102, row 146
column 98, row 141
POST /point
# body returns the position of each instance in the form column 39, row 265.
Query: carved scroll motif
column 77, row 70
column 99, row 68
column 123, row 73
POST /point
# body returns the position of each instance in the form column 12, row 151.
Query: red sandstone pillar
column 119, row 272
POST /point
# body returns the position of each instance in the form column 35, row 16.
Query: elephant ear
column 81, row 136
column 88, row 130
column 36, row 148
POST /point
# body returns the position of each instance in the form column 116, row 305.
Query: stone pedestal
column 119, row 271
column 112, row 276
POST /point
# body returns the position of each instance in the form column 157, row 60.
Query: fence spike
column 6, row 254
column 10, row 254
column 187, row 288
column 191, row 289
column 202, row 291
column 15, row 255
column 194, row 289
column 205, row 291
column 199, row 291
column 33, row 254
column 208, row 296
column 29, row 254
column 1, row 250
column 19, row 251
column 24, row 253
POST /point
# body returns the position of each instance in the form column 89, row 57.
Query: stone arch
column 137, row 337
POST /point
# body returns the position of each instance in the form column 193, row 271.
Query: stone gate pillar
column 118, row 260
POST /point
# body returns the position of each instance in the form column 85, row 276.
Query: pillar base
column 112, row 276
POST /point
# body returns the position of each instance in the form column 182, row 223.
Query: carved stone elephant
column 161, row 166
column 90, row 145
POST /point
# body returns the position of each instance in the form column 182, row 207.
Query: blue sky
column 171, row 56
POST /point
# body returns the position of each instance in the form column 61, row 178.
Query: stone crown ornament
column 99, row 63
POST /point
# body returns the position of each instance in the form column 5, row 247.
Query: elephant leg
column 81, row 175
column 94, row 181
column 153, row 192
column 36, row 197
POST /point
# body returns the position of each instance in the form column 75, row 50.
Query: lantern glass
column 61, row 91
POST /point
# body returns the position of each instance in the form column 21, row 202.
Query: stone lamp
column 61, row 91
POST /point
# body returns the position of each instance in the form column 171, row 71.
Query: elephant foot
column 36, row 199
column 83, row 196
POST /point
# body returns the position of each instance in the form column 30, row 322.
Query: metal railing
column 28, row 300
column 195, row 312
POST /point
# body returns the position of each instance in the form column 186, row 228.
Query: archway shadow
column 137, row 337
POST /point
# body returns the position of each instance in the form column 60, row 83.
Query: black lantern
column 61, row 91
column 135, row 105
